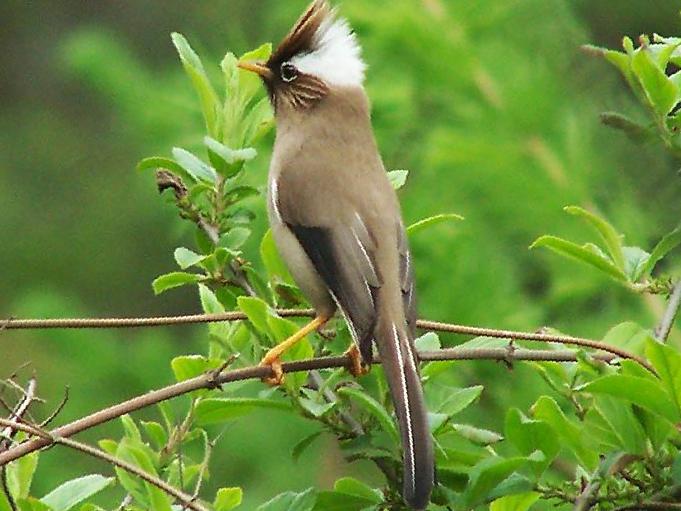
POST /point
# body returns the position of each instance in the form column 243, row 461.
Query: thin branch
column 212, row 381
column 667, row 322
column 51, row 439
column 650, row 505
column 288, row 313
column 18, row 413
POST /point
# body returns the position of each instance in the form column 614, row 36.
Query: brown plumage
column 336, row 219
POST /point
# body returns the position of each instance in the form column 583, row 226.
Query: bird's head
column 319, row 53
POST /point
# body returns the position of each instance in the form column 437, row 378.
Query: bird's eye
column 288, row 72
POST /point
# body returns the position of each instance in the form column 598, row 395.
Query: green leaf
column 301, row 446
column 130, row 428
column 643, row 392
column 257, row 311
column 235, row 238
column 316, row 409
column 73, row 492
column 337, row 501
column 156, row 433
column 20, row 475
column 666, row 244
column 191, row 62
column 659, row 89
column 582, row 254
column 31, row 504
column 291, row 501
column 398, row 178
column 452, row 400
column 628, row 335
column 610, row 236
column 529, row 435
column 569, row 433
column 219, row 410
column 138, row 454
column 486, row 475
column 635, row 131
column 429, row 341
column 351, row 486
column 173, row 280
column 209, row 302
column 194, row 166
column 431, row 221
column 230, row 156
column 519, row 502
column 258, row 122
column 185, row 258
column 374, row 408
column 239, row 193
column 635, row 260
column 614, row 425
column 228, row 498
column 187, row 367
column 478, row 436
column 274, row 264
column 159, row 162
column 667, row 362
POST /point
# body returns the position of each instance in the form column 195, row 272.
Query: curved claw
column 356, row 365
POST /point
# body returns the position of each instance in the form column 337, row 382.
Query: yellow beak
column 256, row 67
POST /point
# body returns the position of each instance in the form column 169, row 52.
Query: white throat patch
column 336, row 57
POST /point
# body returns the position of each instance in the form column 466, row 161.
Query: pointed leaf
column 185, row 258
column 173, row 280
column 398, row 178
column 574, row 251
column 666, row 244
column 374, row 408
column 219, row 410
column 228, row 498
column 612, row 239
column 198, row 169
column 73, row 492
column 431, row 221
column 191, row 62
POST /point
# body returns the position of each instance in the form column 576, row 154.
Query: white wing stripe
column 407, row 408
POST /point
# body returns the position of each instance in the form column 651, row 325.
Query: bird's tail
column 398, row 357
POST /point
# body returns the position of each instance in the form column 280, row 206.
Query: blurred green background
column 490, row 104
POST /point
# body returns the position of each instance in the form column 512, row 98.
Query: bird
column 336, row 220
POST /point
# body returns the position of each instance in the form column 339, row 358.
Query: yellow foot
column 272, row 357
column 277, row 377
column 356, row 365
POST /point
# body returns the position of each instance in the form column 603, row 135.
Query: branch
column 18, row 324
column 650, row 505
column 10, row 431
column 212, row 381
column 51, row 439
column 667, row 322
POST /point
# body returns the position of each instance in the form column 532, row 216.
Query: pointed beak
column 258, row 68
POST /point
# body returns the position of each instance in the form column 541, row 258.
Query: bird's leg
column 356, row 366
column 273, row 356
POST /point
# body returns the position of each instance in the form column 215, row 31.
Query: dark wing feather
column 353, row 283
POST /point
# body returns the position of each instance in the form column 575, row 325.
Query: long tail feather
column 399, row 363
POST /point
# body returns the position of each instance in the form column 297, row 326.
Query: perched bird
column 336, row 219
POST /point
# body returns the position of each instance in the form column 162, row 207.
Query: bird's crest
column 323, row 45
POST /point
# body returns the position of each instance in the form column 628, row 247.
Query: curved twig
column 436, row 326
column 211, row 381
column 187, row 500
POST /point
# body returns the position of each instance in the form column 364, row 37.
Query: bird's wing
column 344, row 256
column 407, row 279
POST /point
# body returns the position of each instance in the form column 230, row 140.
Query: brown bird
column 336, row 219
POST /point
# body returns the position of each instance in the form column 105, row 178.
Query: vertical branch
column 8, row 433
column 667, row 322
